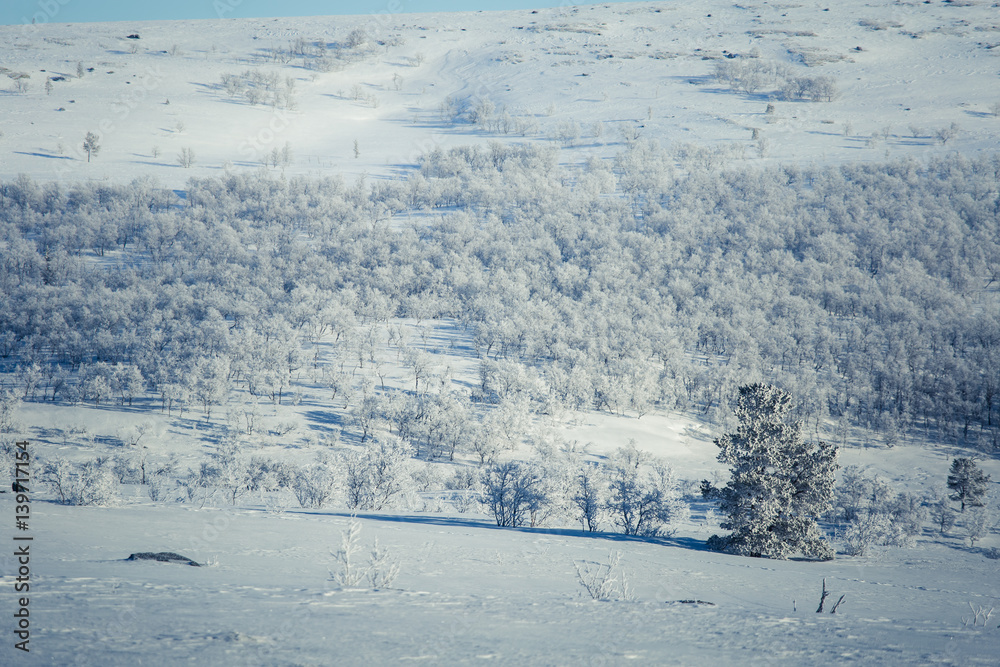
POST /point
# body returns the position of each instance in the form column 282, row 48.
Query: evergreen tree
column 91, row 144
column 779, row 484
column 967, row 482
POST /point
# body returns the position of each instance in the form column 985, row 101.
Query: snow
column 468, row 591
column 648, row 64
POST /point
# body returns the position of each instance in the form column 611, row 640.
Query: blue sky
column 75, row 11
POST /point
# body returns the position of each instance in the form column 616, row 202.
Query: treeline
column 869, row 292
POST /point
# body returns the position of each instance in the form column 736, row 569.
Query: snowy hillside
column 485, row 287
column 904, row 71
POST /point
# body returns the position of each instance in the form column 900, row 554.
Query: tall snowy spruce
column 968, row 483
column 779, row 484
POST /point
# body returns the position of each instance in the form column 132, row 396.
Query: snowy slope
column 897, row 67
column 469, row 592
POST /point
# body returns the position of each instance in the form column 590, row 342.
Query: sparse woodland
column 663, row 281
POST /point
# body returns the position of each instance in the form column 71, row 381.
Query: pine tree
column 779, row 484
column 91, row 144
column 968, row 483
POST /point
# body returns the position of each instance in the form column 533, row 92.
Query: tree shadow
column 688, row 543
column 45, row 155
column 324, row 419
column 210, row 88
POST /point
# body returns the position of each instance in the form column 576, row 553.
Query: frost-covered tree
column 941, row 514
column 185, row 157
column 229, row 472
column 379, row 476
column 89, row 483
column 9, row 403
column 642, row 493
column 588, row 497
column 210, row 384
column 314, row 485
column 968, row 483
column 874, row 514
column 512, row 492
column 779, row 484
column 977, row 525
column 92, row 145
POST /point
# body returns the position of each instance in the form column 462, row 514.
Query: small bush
column 643, row 496
column 91, row 483
column 605, row 581
column 379, row 476
column 751, row 76
column 812, row 89
column 9, row 404
column 463, row 479
column 380, row 570
column 875, row 514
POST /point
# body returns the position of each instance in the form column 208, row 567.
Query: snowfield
column 469, row 591
column 367, row 98
column 905, row 70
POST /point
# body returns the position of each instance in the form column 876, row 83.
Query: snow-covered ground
column 470, row 592
column 904, row 70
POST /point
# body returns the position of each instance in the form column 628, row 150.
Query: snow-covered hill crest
column 369, row 94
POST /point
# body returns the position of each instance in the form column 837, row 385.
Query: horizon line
column 42, row 12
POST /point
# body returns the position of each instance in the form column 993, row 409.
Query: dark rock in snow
column 163, row 557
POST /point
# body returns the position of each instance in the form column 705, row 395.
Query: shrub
column 379, row 476
column 512, row 492
column 874, row 514
column 90, row 483
column 812, row 89
column 642, row 493
column 748, row 75
column 9, row 404
column 381, row 569
column 751, row 75
column 464, row 478
column 314, row 485
column 605, row 581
